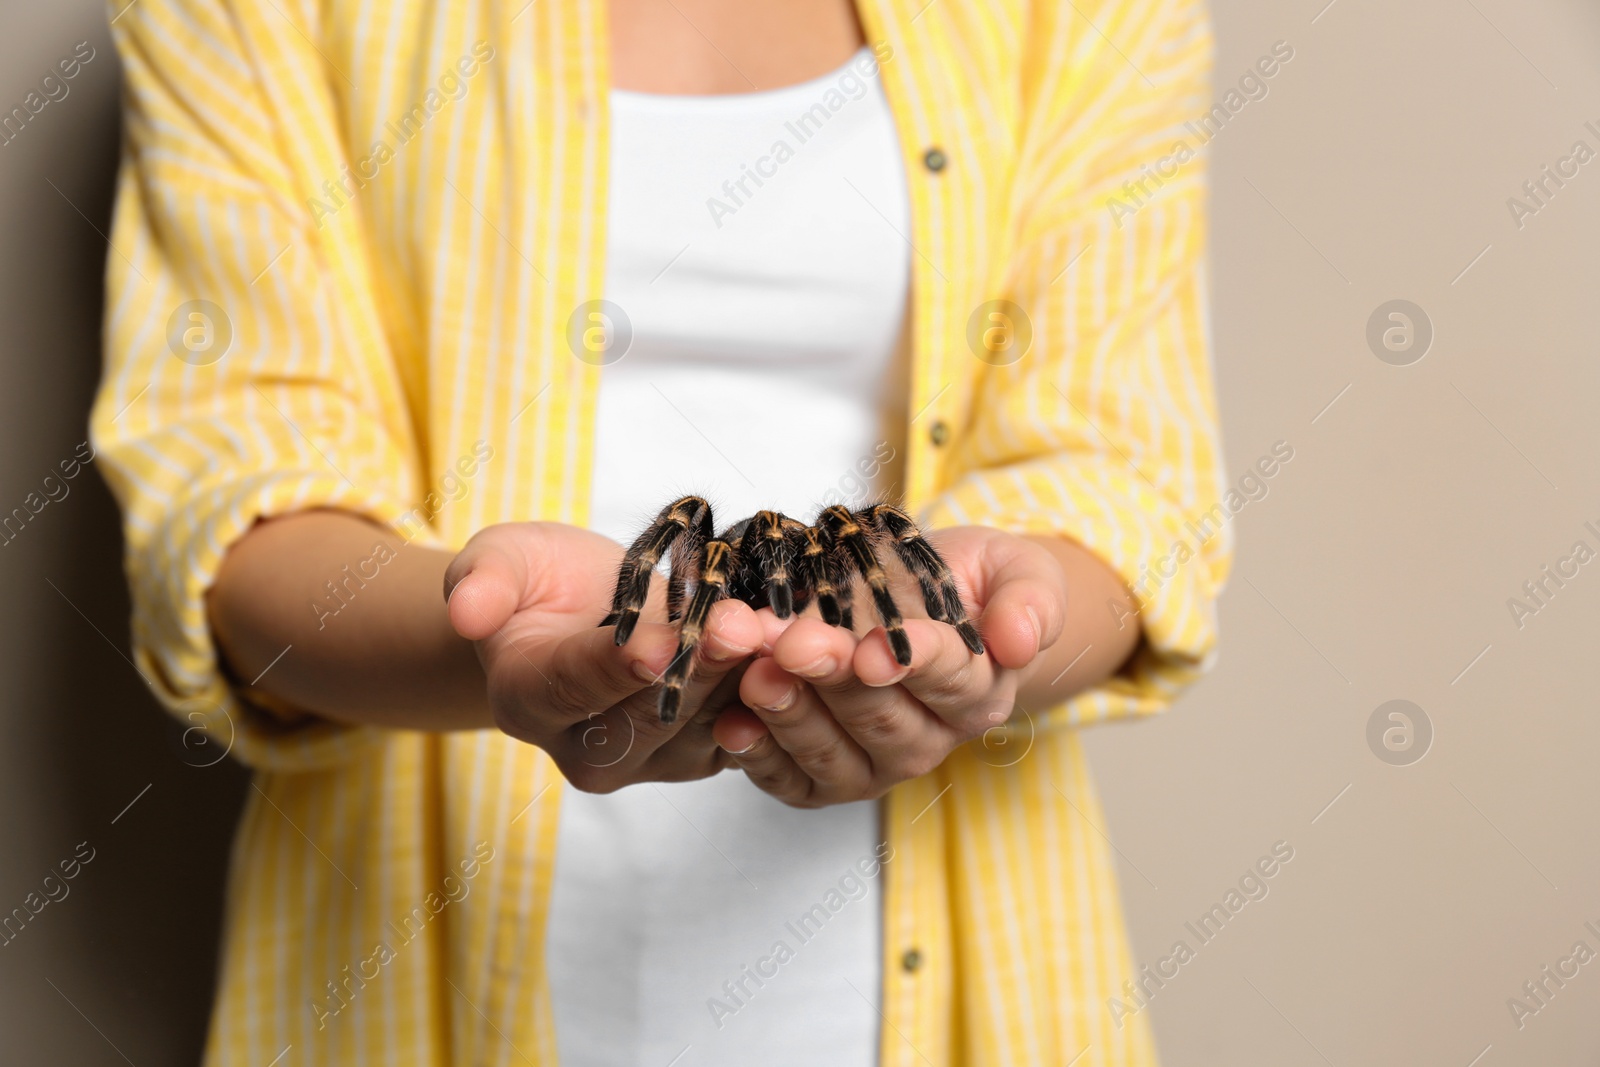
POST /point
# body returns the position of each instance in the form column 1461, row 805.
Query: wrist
column 1098, row 632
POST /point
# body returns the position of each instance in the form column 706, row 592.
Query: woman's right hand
column 529, row 595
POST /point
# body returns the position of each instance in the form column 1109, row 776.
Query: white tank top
column 755, row 251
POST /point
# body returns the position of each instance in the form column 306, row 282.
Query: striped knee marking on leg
column 712, row 587
column 689, row 515
column 771, row 552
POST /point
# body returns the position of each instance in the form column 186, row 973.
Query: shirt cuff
column 1173, row 566
column 173, row 646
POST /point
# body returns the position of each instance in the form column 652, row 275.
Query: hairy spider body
column 771, row 560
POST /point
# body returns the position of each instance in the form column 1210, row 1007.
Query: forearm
column 1100, row 628
column 362, row 615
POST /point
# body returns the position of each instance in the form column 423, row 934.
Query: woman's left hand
column 831, row 718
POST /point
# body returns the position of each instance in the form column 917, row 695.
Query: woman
column 414, row 296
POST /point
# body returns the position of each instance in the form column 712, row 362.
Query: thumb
column 485, row 583
column 1024, row 611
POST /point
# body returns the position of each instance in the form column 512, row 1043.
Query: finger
column 597, row 750
column 605, row 752
column 632, row 733
column 629, row 740
column 804, row 726
column 772, row 628
column 815, row 651
column 737, row 729
column 589, row 673
column 687, row 755
column 944, row 676
column 767, row 765
column 483, row 585
column 895, row 732
column 733, row 634
column 696, row 732
column 1024, row 610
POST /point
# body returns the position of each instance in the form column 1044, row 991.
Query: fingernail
column 746, row 750
column 820, row 668
column 724, row 650
column 1038, row 631
column 784, row 702
column 642, row 671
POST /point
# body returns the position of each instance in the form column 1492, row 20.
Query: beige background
column 1378, row 567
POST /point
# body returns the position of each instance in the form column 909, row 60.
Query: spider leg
column 685, row 558
column 939, row 592
column 926, row 575
column 844, row 581
column 716, row 565
column 853, row 543
column 675, row 592
column 690, row 514
column 828, row 576
column 765, row 548
column 817, row 574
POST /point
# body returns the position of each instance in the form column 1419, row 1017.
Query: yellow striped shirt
column 393, row 209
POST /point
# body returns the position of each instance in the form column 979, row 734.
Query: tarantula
column 771, row 560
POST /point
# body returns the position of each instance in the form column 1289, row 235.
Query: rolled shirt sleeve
column 245, row 374
column 1105, row 429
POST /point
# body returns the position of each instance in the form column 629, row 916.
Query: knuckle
column 769, row 772
column 823, row 758
column 877, row 725
column 774, row 780
column 949, row 685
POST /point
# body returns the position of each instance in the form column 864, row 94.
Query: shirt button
column 934, row 159
column 939, row 433
column 911, row 960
